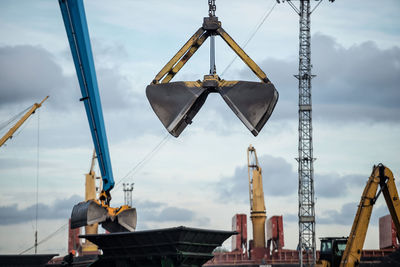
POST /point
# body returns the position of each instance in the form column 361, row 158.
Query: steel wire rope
column 8, row 122
column 145, row 159
column 46, row 238
column 37, row 180
column 263, row 19
column 21, row 129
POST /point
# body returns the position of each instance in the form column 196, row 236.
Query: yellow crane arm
column 383, row 177
column 256, row 192
column 10, row 132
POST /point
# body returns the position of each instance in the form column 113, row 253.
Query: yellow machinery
column 10, row 132
column 333, row 250
column 256, row 193
column 90, row 194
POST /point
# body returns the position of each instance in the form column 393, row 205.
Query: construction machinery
column 257, row 204
column 16, row 126
column 93, row 211
column 176, row 103
column 345, row 252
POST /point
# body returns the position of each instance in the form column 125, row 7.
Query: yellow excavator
column 346, row 252
column 16, row 126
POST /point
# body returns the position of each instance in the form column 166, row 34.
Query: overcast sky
column 200, row 178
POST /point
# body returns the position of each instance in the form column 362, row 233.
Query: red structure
column 387, row 233
column 73, row 239
column 239, row 241
column 275, row 234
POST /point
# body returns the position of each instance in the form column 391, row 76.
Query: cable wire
column 145, row 158
column 8, row 122
column 37, row 179
column 263, row 19
column 45, row 239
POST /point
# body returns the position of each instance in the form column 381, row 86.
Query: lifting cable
column 263, row 19
column 145, row 159
column 46, row 238
column 165, row 139
column 37, row 179
column 21, row 129
column 3, row 125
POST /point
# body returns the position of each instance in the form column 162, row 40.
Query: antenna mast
column 307, row 244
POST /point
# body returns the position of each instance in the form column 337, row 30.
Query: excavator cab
column 331, row 251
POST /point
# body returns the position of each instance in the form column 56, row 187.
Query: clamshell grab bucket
column 125, row 221
column 87, row 213
column 91, row 212
column 176, row 103
column 252, row 102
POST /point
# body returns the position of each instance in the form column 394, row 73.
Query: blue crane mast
column 93, row 211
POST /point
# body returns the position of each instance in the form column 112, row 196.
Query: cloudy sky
column 200, row 178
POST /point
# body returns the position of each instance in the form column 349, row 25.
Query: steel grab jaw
column 176, row 103
column 252, row 102
column 121, row 219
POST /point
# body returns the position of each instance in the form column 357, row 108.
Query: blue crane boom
column 74, row 17
column 96, row 210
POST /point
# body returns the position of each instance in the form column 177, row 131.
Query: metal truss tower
column 307, row 244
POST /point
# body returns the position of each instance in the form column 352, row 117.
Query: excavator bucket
column 87, row 213
column 90, row 212
column 252, row 102
column 125, row 221
column 176, row 103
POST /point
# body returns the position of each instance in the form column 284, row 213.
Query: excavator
column 18, row 124
column 120, row 219
column 346, row 252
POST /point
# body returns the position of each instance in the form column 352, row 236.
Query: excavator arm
column 93, row 211
column 381, row 177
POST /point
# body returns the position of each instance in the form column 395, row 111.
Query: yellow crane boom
column 13, row 129
column 256, row 193
column 90, row 194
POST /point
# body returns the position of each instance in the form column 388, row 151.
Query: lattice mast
column 128, row 188
column 306, row 214
column 305, row 159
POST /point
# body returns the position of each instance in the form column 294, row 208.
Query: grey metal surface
column 87, row 213
column 252, row 102
column 176, row 103
column 123, row 222
column 181, row 245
